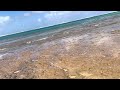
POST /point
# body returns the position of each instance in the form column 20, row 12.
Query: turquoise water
column 59, row 26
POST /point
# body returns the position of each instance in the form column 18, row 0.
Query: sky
column 18, row 21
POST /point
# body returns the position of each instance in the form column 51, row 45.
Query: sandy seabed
column 80, row 52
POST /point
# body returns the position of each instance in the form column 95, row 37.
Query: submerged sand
column 80, row 52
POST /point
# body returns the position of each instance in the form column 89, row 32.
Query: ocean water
column 59, row 26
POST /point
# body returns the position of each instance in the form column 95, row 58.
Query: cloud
column 26, row 14
column 37, row 11
column 39, row 20
column 52, row 14
column 33, row 12
column 4, row 19
column 56, row 17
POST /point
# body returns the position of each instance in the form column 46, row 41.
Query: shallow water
column 88, row 51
